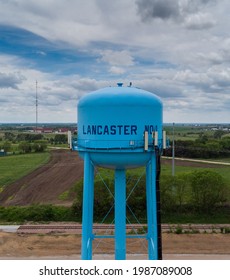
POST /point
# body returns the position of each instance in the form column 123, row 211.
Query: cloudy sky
column 177, row 49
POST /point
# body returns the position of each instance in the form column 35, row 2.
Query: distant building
column 43, row 130
column 63, row 130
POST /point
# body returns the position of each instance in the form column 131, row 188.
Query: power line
column 36, row 104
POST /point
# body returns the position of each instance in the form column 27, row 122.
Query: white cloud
column 221, row 78
column 57, row 96
column 119, row 61
column 192, row 78
column 117, row 70
column 189, row 13
column 10, row 80
column 199, row 21
column 117, row 58
column 42, row 53
column 179, row 51
column 212, row 58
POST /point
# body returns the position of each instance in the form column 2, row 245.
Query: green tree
column 181, row 185
column 25, row 147
column 39, row 146
column 218, row 134
column 225, row 143
column 167, row 192
column 103, row 199
column 9, row 136
column 203, row 138
column 175, row 192
column 208, row 189
column 6, row 146
column 136, row 194
column 76, row 207
column 60, row 139
column 29, row 137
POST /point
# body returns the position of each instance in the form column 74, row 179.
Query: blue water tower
column 120, row 128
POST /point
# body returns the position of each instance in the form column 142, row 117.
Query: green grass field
column 167, row 170
column 16, row 166
column 223, row 171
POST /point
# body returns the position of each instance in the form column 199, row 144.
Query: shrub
column 36, row 213
column 39, row 146
column 168, row 201
column 208, row 190
column 25, row 147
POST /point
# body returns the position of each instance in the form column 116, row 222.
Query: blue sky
column 180, row 50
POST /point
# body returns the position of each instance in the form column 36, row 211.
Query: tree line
column 29, row 142
column 194, row 192
column 203, row 147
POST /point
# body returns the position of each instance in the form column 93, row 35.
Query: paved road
column 9, row 228
column 201, row 161
column 75, row 228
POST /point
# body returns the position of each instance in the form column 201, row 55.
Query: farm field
column 46, row 183
column 188, row 166
column 14, row 167
column 59, row 170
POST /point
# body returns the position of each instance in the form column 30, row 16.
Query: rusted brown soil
column 45, row 184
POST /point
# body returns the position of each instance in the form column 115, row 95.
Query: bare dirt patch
column 47, row 183
column 13, row 245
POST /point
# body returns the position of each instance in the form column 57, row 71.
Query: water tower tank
column 113, row 124
column 120, row 128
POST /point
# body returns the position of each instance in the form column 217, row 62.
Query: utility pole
column 36, row 104
column 173, row 152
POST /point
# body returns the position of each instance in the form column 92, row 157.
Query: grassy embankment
column 13, row 168
column 16, row 166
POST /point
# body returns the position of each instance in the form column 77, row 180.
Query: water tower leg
column 91, row 203
column 120, row 214
column 87, row 212
column 152, row 209
column 149, row 211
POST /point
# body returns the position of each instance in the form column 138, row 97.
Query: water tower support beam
column 149, row 210
column 87, row 214
column 152, row 235
column 120, row 214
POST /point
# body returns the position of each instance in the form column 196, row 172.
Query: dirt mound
column 46, row 183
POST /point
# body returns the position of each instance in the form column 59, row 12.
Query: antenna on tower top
column 36, row 104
